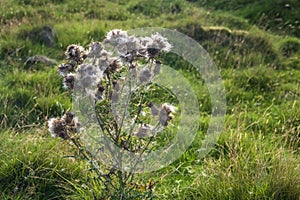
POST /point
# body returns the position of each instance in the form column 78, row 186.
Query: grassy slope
column 280, row 16
column 257, row 156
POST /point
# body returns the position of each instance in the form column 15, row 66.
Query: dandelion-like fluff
column 137, row 114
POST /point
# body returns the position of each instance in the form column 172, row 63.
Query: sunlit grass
column 257, row 155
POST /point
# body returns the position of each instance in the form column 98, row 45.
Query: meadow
column 256, row 47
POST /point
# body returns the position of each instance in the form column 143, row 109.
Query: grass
column 36, row 169
column 257, row 155
column 277, row 16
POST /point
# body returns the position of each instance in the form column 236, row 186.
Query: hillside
column 255, row 46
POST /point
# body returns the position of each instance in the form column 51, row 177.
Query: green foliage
column 257, row 156
column 33, row 100
column 36, row 168
column 281, row 16
column 157, row 7
column 290, row 47
column 242, row 173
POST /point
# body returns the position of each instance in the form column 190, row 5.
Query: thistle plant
column 116, row 78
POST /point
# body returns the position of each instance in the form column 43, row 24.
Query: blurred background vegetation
column 255, row 45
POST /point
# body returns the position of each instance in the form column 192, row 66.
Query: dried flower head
column 155, row 44
column 69, row 81
column 153, row 109
column 88, row 75
column 165, row 114
column 128, row 47
column 106, row 60
column 64, row 127
column 160, row 42
column 114, row 65
column 72, row 123
column 65, row 68
column 68, row 117
column 57, row 128
column 169, row 108
column 116, row 36
column 95, row 49
column 145, row 130
column 75, row 53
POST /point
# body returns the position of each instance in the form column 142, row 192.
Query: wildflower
column 160, row 42
column 72, row 123
column 108, row 63
column 154, row 110
column 68, row 117
column 64, row 127
column 95, row 50
column 144, row 131
column 115, row 37
column 165, row 114
column 75, row 53
column 130, row 45
column 57, row 128
column 114, row 65
column 88, row 76
column 128, row 57
column 133, row 44
column 69, row 81
column 65, row 68
column 155, row 44
column 145, row 75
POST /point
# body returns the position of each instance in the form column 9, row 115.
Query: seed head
column 69, row 81
column 165, row 114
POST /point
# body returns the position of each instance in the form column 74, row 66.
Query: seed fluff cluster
column 64, row 127
column 105, row 77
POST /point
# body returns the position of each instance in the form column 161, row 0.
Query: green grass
column 33, row 167
column 257, row 155
column 278, row 16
